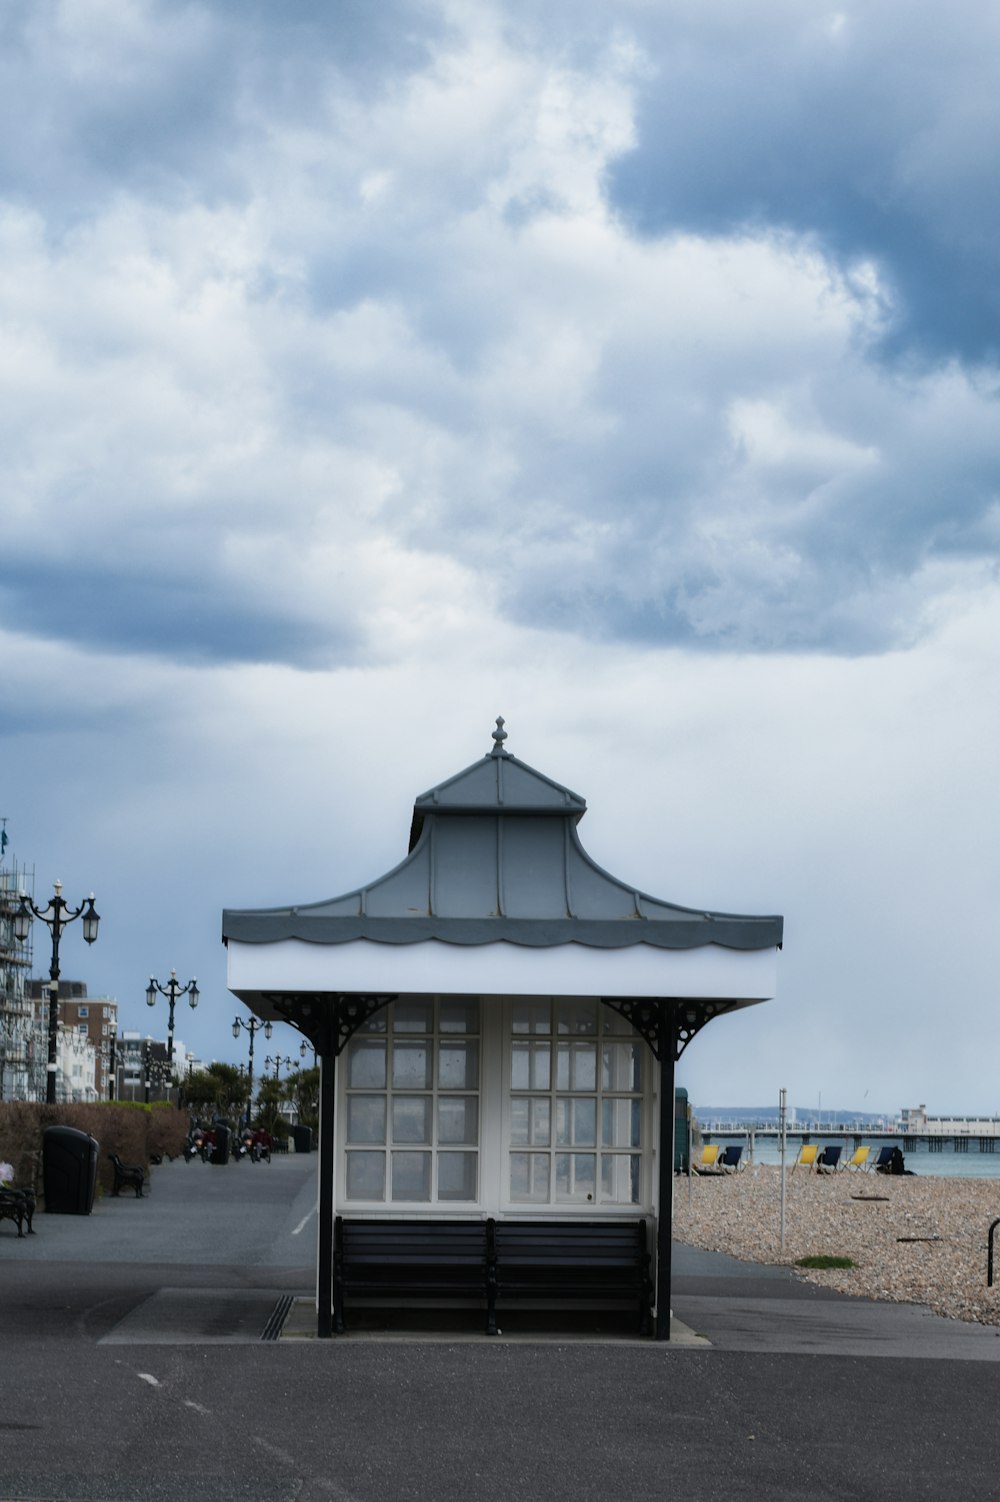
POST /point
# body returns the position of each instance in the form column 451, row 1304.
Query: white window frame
column 553, row 1207
column 399, row 1207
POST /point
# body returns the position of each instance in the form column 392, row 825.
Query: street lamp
column 57, row 916
column 171, row 990
column 252, row 1028
column 277, row 1064
column 303, row 1050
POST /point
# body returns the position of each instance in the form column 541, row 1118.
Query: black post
column 112, row 1076
column 664, row 1224
column 324, row 1274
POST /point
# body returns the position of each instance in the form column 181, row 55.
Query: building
column 22, row 1050
column 93, row 1019
column 498, row 1019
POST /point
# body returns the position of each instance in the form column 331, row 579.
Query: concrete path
column 132, row 1369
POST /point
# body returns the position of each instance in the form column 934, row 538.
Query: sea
column 943, row 1163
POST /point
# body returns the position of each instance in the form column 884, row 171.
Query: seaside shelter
column 497, row 1021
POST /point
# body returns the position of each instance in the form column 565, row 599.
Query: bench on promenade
column 581, row 1261
column 491, row 1262
column 420, row 1259
column 126, row 1177
column 18, row 1205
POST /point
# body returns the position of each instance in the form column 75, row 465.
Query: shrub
column 131, row 1129
column 824, row 1263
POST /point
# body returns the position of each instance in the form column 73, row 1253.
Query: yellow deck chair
column 808, row 1153
column 859, row 1158
column 709, row 1160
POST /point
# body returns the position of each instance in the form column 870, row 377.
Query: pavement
column 163, row 1349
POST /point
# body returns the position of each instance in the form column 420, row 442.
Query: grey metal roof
column 494, row 854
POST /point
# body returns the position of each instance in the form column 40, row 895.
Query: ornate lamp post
column 277, row 1064
column 171, row 990
column 252, row 1028
column 56, row 916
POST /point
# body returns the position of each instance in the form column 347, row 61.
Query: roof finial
column 499, row 736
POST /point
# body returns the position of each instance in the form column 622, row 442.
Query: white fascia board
column 362, row 965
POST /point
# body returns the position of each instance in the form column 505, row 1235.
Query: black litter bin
column 69, row 1170
column 220, row 1152
column 303, row 1138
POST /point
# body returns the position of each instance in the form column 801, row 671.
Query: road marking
column 148, row 1377
column 198, row 1407
column 305, row 1221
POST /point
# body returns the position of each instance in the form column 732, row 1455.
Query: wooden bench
column 18, row 1205
column 439, row 1259
column 126, row 1177
column 603, row 1261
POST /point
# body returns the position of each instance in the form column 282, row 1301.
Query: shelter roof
column 494, row 855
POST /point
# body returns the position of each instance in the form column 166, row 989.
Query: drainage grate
column 278, row 1316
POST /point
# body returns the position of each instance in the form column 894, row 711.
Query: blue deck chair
column 730, row 1160
column 828, row 1160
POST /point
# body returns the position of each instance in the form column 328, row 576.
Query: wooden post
column 327, row 1170
column 665, row 1216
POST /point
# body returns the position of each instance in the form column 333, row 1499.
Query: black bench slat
column 491, row 1260
column 595, row 1261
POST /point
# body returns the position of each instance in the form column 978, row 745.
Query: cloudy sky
column 629, row 370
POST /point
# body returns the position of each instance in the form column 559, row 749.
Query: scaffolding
column 22, row 1042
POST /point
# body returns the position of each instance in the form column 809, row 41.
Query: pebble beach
column 911, row 1239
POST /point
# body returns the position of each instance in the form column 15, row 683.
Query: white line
column 147, row 1377
column 305, row 1220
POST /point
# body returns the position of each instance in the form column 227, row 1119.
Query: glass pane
column 575, row 1175
column 458, row 1066
column 532, row 1017
column 620, row 1123
column 620, row 1174
column 621, row 1067
column 456, row 1176
column 411, row 1066
column 614, row 1022
column 366, row 1118
column 411, row 1118
column 576, row 1017
column 411, row 1176
column 375, row 1024
column 529, row 1176
column 576, row 1123
column 576, row 1066
column 366, row 1176
column 458, row 1119
column 366, row 1064
column 529, row 1066
column 529, row 1120
column 413, row 1017
column 460, row 1016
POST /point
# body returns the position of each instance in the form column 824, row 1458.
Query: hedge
column 133, row 1130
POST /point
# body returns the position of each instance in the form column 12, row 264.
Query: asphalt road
column 131, row 1370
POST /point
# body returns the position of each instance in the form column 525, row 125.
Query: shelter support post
column 665, row 1158
column 324, row 1273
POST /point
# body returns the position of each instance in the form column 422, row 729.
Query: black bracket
column 328, row 1019
column 667, row 1025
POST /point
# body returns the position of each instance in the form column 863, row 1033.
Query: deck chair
column 730, row 1160
column 808, row 1154
column 709, row 1160
column 882, row 1162
column 828, row 1160
column 859, row 1158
